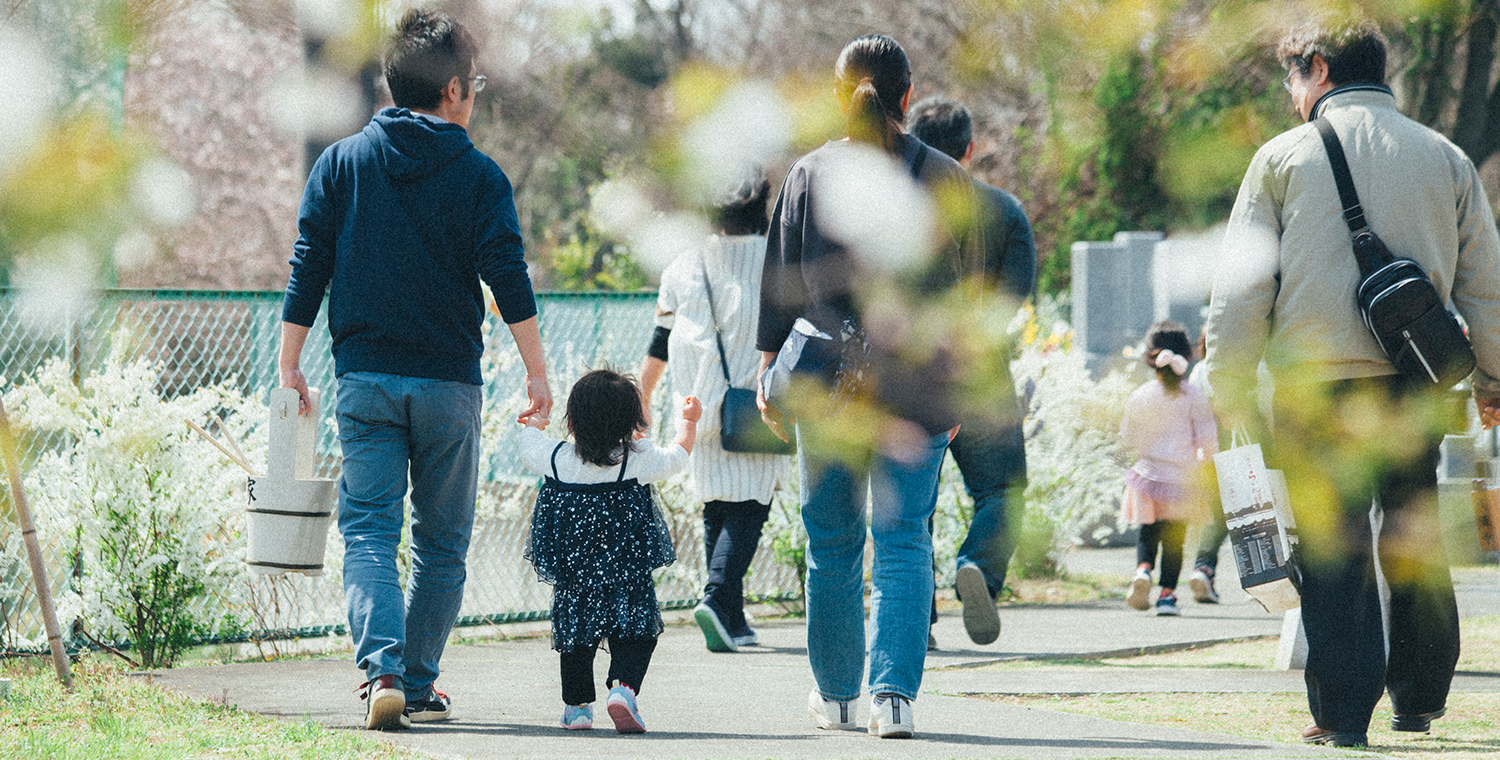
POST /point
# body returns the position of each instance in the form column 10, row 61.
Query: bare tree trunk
column 1478, row 106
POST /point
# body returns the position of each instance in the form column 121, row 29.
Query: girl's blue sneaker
column 622, row 710
column 578, row 717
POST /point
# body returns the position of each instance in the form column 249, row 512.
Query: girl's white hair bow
column 1169, row 358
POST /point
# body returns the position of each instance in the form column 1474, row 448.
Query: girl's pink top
column 1167, row 431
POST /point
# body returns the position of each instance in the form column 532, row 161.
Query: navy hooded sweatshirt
column 399, row 223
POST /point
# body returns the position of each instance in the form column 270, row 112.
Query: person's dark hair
column 1353, row 50
column 1167, row 336
column 427, row 50
column 943, row 123
column 604, row 411
column 741, row 209
column 871, row 77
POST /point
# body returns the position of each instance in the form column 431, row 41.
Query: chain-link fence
column 205, row 338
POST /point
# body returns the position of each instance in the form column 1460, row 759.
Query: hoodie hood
column 409, row 147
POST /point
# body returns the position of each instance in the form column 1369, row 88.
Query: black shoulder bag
column 741, row 430
column 1400, row 305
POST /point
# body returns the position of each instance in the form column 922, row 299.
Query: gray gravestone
column 1113, row 303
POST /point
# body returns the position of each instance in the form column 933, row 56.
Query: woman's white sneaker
column 830, row 715
column 890, row 716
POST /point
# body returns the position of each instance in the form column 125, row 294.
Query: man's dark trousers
column 1347, row 664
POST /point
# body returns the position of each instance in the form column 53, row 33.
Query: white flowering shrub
column 149, row 515
column 1075, row 460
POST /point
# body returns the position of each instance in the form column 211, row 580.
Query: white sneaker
column 890, row 716
column 830, row 715
column 1203, row 587
column 1140, row 591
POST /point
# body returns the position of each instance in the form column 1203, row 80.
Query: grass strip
column 111, row 716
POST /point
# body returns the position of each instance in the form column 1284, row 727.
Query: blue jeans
column 993, row 465
column 390, row 426
column 902, row 495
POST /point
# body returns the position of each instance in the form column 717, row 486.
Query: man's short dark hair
column 944, row 124
column 1354, row 51
column 425, row 53
column 741, row 208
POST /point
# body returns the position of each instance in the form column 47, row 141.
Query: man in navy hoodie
column 399, row 224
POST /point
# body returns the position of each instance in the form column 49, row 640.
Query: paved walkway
column 702, row 705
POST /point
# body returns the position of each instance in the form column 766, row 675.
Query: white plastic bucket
column 288, row 510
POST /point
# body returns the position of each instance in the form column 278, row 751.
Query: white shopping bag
column 1261, row 530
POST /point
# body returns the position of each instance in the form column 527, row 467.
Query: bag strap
column 624, row 459
column 556, row 449
column 919, row 161
column 1354, row 213
column 718, row 336
column 1369, row 254
column 1238, row 437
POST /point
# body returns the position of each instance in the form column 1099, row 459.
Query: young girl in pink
column 1169, row 426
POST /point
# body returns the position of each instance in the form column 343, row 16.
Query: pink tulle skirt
column 1147, row 501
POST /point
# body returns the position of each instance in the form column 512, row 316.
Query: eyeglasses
column 1286, row 84
column 479, row 82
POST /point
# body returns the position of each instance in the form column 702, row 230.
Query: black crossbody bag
column 741, row 430
column 1400, row 305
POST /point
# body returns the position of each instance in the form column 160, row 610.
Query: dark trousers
column 731, row 532
column 993, row 465
column 628, row 661
column 1326, row 431
column 1170, row 534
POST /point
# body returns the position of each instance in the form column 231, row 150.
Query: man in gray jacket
column 1347, row 428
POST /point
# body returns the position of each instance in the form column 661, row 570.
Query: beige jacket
column 1285, row 281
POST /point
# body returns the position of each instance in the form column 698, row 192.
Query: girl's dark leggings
column 628, row 660
column 1170, row 534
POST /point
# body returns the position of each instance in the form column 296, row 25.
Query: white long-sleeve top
column 647, row 463
column 733, row 265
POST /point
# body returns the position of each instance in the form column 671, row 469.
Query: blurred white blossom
column 869, row 203
column 28, row 87
column 162, row 192
column 749, row 126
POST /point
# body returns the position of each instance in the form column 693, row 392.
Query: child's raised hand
column 538, row 421
column 692, row 409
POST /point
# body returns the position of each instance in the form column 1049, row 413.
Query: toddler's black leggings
column 1170, row 534
column 628, row 660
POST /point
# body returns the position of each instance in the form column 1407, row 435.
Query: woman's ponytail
column 872, row 77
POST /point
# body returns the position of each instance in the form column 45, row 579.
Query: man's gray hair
column 1353, row 49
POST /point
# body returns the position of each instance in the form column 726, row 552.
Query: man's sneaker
column 622, row 710
column 981, row 619
column 745, row 636
column 715, row 635
column 831, row 715
column 890, row 716
column 435, row 705
column 1140, row 591
column 385, row 703
column 578, row 717
column 1202, row 581
column 931, row 642
column 1166, row 604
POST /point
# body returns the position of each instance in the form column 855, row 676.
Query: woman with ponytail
column 1170, row 426
column 859, row 248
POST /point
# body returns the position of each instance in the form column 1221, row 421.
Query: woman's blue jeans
column 901, row 494
column 392, row 430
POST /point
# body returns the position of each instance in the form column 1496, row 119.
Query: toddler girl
column 596, row 535
column 1170, row 427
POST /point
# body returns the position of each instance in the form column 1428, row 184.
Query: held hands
column 540, row 396
column 692, row 409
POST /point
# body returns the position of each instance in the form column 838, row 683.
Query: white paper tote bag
column 1261, row 530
